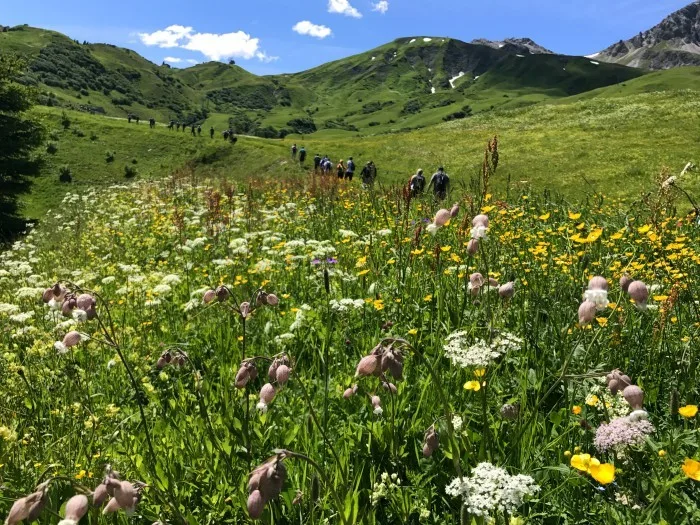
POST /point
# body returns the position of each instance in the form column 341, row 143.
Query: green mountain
column 408, row 83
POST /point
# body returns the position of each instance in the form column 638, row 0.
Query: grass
column 157, row 384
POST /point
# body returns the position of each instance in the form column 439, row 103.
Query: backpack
column 441, row 182
column 351, row 167
column 418, row 183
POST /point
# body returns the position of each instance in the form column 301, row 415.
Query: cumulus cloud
column 307, row 28
column 168, row 37
column 191, row 61
column 212, row 45
column 172, row 60
column 382, row 6
column 343, row 7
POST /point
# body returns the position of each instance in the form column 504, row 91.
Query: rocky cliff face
column 525, row 46
column 672, row 43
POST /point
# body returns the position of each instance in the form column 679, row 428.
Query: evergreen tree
column 19, row 136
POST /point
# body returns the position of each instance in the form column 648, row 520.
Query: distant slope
column 674, row 42
column 408, row 83
column 523, row 45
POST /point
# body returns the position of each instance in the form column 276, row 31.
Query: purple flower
column 316, row 262
column 622, row 432
column 332, row 260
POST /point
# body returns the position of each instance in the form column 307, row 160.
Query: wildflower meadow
column 307, row 352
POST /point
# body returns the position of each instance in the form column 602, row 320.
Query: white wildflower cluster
column 479, row 232
column 457, row 422
column 21, row 318
column 347, row 234
column 491, row 488
column 238, row 246
column 385, row 487
column 597, row 297
column 347, row 305
column 284, row 339
column 601, row 398
column 481, row 353
column 8, row 309
column 383, row 233
column 300, row 316
column 162, row 289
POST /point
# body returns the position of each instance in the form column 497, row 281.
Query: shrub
column 65, row 121
column 109, row 156
column 130, row 172
column 51, row 148
column 54, row 134
column 93, row 136
column 302, row 125
column 65, row 174
column 78, row 132
column 373, row 123
column 134, row 161
column 411, row 107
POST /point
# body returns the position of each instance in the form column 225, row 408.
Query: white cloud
column 192, row 61
column 172, row 60
column 307, row 28
column 382, row 6
column 168, row 37
column 211, row 45
column 343, row 7
column 264, row 57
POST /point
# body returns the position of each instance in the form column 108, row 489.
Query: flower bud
column 161, row 363
column 282, row 374
column 493, row 283
column 476, row 280
column 634, row 396
column 85, row 301
column 510, row 412
column 376, row 401
column 481, row 220
column 18, row 512
column 349, row 392
column 111, row 507
column 91, row 313
column 267, row 393
column 427, row 451
column 454, row 211
column 209, row 296
column 47, row 295
column 125, row 494
column 272, row 299
column 598, row 283
column 473, row 246
column 441, row 217
column 391, row 387
column 222, row 293
column 256, row 505
column 272, row 371
column 272, row 479
column 639, row 293
column 625, row 282
column 59, row 292
column 242, row 377
column 367, row 365
column 72, row 338
column 507, row 290
column 76, row 507
column 586, row 313
column 100, row 495
column 393, row 362
column 36, row 504
column 68, row 306
column 245, row 309
column 252, row 371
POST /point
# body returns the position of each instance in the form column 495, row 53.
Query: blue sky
column 282, row 36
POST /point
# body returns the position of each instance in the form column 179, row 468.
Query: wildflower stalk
column 441, row 394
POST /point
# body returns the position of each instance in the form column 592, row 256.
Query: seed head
column 586, row 313
column 267, row 393
column 209, row 296
column 473, row 246
column 510, row 412
column 441, row 217
column 506, row 291
column 634, row 396
column 598, row 283
column 481, row 220
column 639, row 293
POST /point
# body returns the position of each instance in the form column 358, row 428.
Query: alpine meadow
column 438, row 282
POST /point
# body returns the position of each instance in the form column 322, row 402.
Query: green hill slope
column 409, row 83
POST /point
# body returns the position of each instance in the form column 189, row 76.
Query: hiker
column 302, row 155
column 171, row 124
column 231, row 136
column 340, row 168
column 225, row 134
column 327, row 166
column 416, row 184
column 350, row 170
column 369, row 173
column 152, row 122
column 192, row 129
column 199, row 130
column 184, row 127
column 211, row 132
column 137, row 118
column 178, row 125
column 294, row 152
column 440, row 182
column 129, row 118
column 317, row 162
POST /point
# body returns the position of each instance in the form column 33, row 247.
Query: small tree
column 65, row 121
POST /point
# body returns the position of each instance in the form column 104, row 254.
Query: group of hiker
column 439, row 182
column 196, row 130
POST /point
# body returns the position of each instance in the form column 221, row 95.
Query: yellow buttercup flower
column 581, row 462
column 691, row 468
column 603, row 473
column 592, row 401
column 574, row 216
column 413, row 331
column 545, row 216
column 576, row 409
column 688, row 411
column 480, row 372
column 472, row 385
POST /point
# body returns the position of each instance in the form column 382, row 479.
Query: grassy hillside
column 408, row 83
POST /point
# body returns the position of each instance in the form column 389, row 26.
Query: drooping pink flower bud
column 441, row 217
column 376, row 401
column 100, row 495
column 272, row 480
column 507, row 290
column 625, row 282
column 59, row 292
column 245, row 309
column 586, row 313
column 282, row 374
column 272, row 371
column 476, row 280
column 598, row 283
column 85, row 301
column 72, row 338
column 454, row 211
column 18, row 512
column 47, row 295
column 272, row 299
column 473, row 246
column 252, row 371
column 242, row 377
column 209, row 296
column 111, row 507
column 431, row 442
column 481, row 220
column 427, row 451
column 349, row 392
column 36, row 504
column 493, row 283
column 639, row 293
column 125, row 494
column 76, row 507
column 634, row 396
column 267, row 393
column 222, row 293
column 391, row 387
column 256, row 505
column 367, row 365
column 69, row 304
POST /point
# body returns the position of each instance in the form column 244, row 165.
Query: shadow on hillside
column 12, row 224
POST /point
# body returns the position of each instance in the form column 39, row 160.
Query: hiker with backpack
column 416, row 184
column 199, row 130
column 350, row 170
column 340, row 168
column 327, row 165
column 294, row 152
column 302, row 155
column 211, row 132
column 369, row 173
column 317, row 162
column 440, row 183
